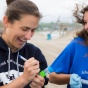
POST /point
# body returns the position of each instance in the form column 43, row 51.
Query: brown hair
column 79, row 15
column 17, row 8
column 9, row 1
column 80, row 19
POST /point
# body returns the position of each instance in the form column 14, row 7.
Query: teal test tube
column 46, row 71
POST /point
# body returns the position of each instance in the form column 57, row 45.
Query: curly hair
column 79, row 15
column 80, row 19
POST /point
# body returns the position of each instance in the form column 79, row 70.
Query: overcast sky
column 51, row 9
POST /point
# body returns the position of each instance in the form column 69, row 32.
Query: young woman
column 20, row 22
column 71, row 66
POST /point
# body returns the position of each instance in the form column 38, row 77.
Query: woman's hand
column 37, row 82
column 31, row 69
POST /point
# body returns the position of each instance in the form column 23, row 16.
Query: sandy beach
column 51, row 48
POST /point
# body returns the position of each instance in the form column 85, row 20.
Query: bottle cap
column 42, row 73
column 50, row 69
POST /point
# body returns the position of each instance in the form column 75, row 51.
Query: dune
column 52, row 48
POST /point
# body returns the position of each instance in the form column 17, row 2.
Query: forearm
column 59, row 78
column 20, row 82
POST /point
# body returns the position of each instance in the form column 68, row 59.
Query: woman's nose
column 28, row 35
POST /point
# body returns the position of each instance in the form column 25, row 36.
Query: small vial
column 46, row 71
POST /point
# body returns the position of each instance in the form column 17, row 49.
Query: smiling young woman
column 20, row 22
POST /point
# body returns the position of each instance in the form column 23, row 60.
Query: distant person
column 65, row 29
column 71, row 66
column 20, row 22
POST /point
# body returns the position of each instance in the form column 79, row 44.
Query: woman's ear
column 5, row 21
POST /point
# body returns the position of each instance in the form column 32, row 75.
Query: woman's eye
column 84, row 23
column 33, row 30
column 24, row 29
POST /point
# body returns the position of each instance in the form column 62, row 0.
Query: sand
column 51, row 48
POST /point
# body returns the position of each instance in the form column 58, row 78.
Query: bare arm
column 31, row 69
column 20, row 82
column 59, row 78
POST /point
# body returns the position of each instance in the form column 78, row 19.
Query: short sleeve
column 62, row 63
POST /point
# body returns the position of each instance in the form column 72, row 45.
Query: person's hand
column 37, row 82
column 75, row 81
column 31, row 69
